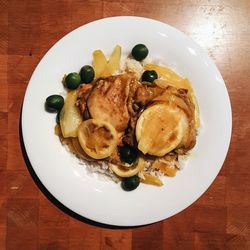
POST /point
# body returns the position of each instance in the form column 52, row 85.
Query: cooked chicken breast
column 108, row 101
column 83, row 93
column 144, row 94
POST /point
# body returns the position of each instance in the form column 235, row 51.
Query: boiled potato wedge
column 104, row 67
column 165, row 168
column 114, row 60
column 99, row 63
column 152, row 180
column 70, row 116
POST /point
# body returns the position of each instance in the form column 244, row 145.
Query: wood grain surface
column 220, row 219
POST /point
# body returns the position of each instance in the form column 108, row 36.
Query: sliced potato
column 57, row 130
column 99, row 63
column 164, row 72
column 106, row 72
column 162, row 83
column 97, row 138
column 70, row 116
column 186, row 84
column 128, row 172
column 104, row 68
column 165, row 168
column 183, row 84
column 196, row 111
column 114, row 60
column 152, row 180
column 64, row 141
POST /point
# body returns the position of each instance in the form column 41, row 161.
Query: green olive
column 130, row 183
column 72, row 80
column 128, row 154
column 149, row 76
column 54, row 103
column 139, row 52
column 87, row 74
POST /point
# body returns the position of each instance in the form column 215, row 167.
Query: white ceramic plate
column 105, row 201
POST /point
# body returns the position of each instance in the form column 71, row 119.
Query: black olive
column 128, row 154
column 130, row 183
column 54, row 103
column 149, row 76
column 139, row 52
column 58, row 117
column 87, row 74
column 72, row 80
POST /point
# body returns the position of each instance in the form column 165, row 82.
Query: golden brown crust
column 83, row 94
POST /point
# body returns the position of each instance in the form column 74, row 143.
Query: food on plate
column 97, row 138
column 108, row 101
column 54, row 103
column 151, row 179
column 160, row 129
column 128, row 153
column 139, row 52
column 164, row 73
column 113, row 63
column 130, row 183
column 87, row 74
column 99, row 63
column 123, row 170
column 70, row 116
column 149, row 76
column 72, row 80
column 104, row 67
column 133, row 119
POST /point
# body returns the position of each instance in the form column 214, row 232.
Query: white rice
column 101, row 168
column 133, row 66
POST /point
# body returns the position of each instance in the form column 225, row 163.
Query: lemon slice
column 159, row 129
column 97, row 138
column 128, row 172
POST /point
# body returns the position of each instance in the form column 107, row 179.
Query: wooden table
column 220, row 219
